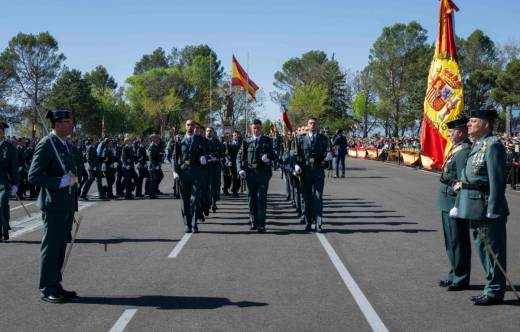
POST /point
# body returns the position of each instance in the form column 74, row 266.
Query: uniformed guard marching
column 129, row 174
column 57, row 200
column 255, row 158
column 234, row 148
column 456, row 231
column 94, row 171
column 154, row 167
column 9, row 178
column 142, row 166
column 482, row 201
column 340, row 146
column 214, row 167
column 313, row 160
column 188, row 160
column 107, row 158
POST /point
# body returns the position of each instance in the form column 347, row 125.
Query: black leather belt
column 447, row 181
column 475, row 186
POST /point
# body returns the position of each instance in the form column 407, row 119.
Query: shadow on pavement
column 103, row 241
column 169, row 302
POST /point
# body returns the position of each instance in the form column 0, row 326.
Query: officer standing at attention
column 9, row 178
column 315, row 155
column 187, row 164
column 456, row 231
column 130, row 176
column 255, row 158
column 482, row 201
column 57, row 200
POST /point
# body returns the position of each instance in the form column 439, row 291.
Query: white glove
column 228, row 164
column 297, row 169
column 457, row 186
column 66, row 181
column 127, row 167
column 175, row 175
column 14, row 189
column 116, row 164
column 94, row 169
column 329, row 156
column 265, row 159
column 203, row 160
column 454, row 212
column 157, row 168
column 20, row 168
column 242, row 173
column 492, row 215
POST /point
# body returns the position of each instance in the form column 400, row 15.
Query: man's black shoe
column 188, row 229
column 202, row 218
column 261, row 229
column 444, row 283
column 456, row 288
column 214, row 209
column 476, row 297
column 54, row 298
column 153, row 197
column 195, row 229
column 488, row 300
column 308, row 228
column 139, row 196
column 6, row 236
column 319, row 229
column 83, row 198
column 252, row 227
column 302, row 220
column 67, row 294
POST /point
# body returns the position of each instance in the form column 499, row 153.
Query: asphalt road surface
column 376, row 267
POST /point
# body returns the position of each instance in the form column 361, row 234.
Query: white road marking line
column 175, row 252
column 31, row 224
column 123, row 321
column 20, row 206
column 366, row 308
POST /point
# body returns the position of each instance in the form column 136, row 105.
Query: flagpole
column 246, row 92
column 210, row 58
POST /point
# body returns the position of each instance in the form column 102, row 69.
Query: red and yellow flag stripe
column 239, row 77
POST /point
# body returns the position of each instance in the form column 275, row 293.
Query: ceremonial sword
column 494, row 256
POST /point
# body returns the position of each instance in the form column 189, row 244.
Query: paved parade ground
column 376, row 266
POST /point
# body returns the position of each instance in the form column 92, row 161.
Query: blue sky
column 116, row 33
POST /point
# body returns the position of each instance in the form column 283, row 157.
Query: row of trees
column 388, row 94
column 163, row 90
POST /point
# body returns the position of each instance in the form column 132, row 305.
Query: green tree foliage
column 155, row 93
column 73, row 93
column 399, row 66
column 157, row 59
column 478, row 57
column 310, row 75
column 308, row 100
column 101, row 81
column 33, row 63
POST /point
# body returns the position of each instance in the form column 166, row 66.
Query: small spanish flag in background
column 239, row 77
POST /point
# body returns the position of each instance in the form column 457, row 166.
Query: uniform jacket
column 46, row 172
column 190, row 151
column 255, row 149
column 8, row 164
column 486, row 165
column 313, row 154
column 451, row 173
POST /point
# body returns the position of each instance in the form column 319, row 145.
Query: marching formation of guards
column 473, row 204
column 471, row 193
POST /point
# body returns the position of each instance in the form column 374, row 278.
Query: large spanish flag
column 285, row 121
column 444, row 98
column 239, row 77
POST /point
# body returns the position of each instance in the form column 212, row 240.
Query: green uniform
column 456, row 231
column 482, row 201
column 9, row 176
column 312, row 161
column 57, row 204
column 258, row 174
column 187, row 165
column 156, row 174
column 130, row 176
